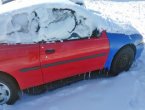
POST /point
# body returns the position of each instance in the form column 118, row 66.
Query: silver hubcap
column 4, row 93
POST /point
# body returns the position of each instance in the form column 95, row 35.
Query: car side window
column 18, row 29
column 20, row 22
column 58, row 25
column 46, row 24
column 61, row 24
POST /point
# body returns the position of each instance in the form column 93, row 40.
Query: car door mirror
column 96, row 33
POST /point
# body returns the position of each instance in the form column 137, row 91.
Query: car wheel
column 8, row 91
column 122, row 61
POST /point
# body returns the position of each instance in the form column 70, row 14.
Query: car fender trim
column 30, row 69
column 73, row 60
column 63, row 62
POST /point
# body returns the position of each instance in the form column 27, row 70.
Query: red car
column 45, row 59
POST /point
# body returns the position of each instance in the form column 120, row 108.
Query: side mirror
column 96, row 33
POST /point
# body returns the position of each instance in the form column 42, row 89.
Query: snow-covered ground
column 124, row 92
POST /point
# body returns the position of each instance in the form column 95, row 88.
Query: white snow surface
column 124, row 92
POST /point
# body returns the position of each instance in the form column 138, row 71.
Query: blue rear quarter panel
column 117, row 41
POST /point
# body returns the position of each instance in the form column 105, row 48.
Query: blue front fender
column 117, row 41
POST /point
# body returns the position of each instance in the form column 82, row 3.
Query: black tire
column 122, row 61
column 13, row 89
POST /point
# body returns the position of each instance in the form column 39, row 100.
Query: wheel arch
column 117, row 42
column 4, row 74
column 132, row 46
column 127, row 45
column 113, row 54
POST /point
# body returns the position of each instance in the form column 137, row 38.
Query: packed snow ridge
column 32, row 21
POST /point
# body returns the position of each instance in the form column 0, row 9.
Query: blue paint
column 117, row 41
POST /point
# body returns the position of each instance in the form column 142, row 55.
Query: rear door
column 22, row 62
column 19, row 55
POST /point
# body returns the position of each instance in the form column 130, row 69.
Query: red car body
column 40, row 63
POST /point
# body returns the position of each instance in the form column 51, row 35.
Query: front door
column 64, row 59
column 67, row 48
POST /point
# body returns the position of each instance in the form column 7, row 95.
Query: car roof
column 5, row 1
column 19, row 4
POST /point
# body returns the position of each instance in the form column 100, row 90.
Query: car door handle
column 49, row 51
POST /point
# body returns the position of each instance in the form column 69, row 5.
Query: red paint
column 13, row 58
column 71, row 50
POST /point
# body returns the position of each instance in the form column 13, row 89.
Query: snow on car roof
column 22, row 5
column 93, row 19
column 23, row 10
column 19, row 4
